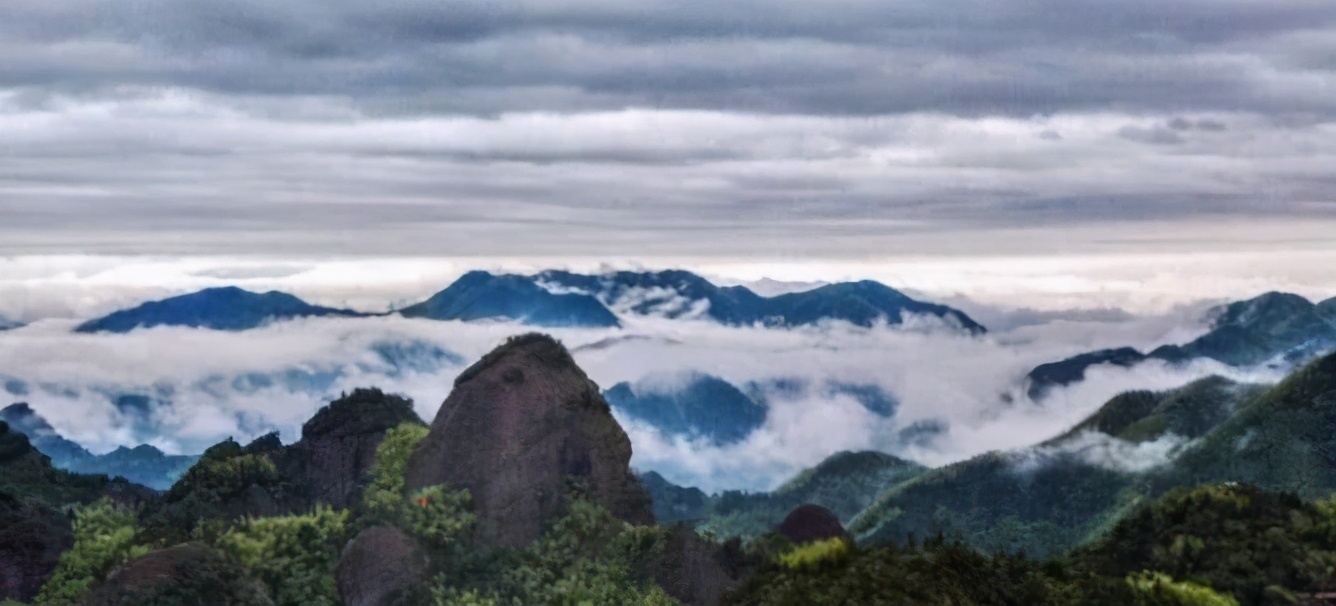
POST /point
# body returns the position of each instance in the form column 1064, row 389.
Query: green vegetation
column 104, row 536
column 845, row 483
column 384, row 497
column 224, row 485
column 1158, row 589
column 815, row 554
column 294, row 556
column 1224, row 545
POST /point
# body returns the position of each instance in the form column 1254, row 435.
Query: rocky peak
column 361, row 412
column 338, row 446
column 520, row 424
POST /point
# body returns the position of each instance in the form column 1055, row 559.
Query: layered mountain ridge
column 1275, row 328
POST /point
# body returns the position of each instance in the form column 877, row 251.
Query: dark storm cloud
column 855, row 57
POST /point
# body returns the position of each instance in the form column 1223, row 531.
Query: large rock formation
column 808, row 523
column 192, row 573
column 697, row 572
column 32, row 537
column 381, row 566
column 338, row 446
column 330, row 465
column 519, row 425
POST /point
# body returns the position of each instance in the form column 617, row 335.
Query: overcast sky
column 783, row 129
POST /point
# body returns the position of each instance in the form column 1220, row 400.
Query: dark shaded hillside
column 704, row 406
column 328, row 466
column 677, row 293
column 479, row 295
column 1284, row 439
column 142, row 464
column 227, row 308
column 845, row 483
column 1048, row 498
column 34, row 528
column 1273, row 327
column 1210, row 546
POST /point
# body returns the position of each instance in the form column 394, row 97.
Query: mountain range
column 676, row 293
column 700, row 405
column 359, row 506
column 226, row 308
column 1069, row 490
column 7, row 324
column 558, row 299
column 1274, row 328
column 142, row 464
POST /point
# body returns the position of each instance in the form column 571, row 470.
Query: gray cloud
column 598, row 127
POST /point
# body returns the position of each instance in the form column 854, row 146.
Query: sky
column 1075, row 174
column 746, row 131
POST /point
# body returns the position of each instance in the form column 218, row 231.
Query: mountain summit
column 1275, row 327
column 677, row 293
column 519, row 424
column 226, row 308
column 479, row 295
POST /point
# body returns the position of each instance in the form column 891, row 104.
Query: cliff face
column 338, row 446
column 32, row 538
column 520, row 424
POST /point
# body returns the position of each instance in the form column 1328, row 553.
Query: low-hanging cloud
column 955, row 395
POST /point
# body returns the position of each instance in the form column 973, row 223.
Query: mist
column 958, row 395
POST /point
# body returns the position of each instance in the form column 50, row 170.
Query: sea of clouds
column 204, row 386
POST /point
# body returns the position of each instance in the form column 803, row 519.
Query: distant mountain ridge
column 1275, row 326
column 7, row 324
column 678, row 293
column 557, row 299
column 1049, row 497
column 224, row 308
column 142, row 464
column 480, row 295
column 845, row 483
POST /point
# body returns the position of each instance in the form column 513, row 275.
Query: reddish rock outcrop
column 809, row 523
column 519, row 425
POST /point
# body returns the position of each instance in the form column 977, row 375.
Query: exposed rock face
column 338, row 446
column 697, row 572
column 32, row 538
column 380, row 567
column 810, row 523
column 186, row 574
column 519, row 424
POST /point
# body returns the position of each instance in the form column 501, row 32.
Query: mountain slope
column 227, row 308
column 1047, row 498
column 7, row 324
column 142, row 464
column 704, row 406
column 677, row 293
column 479, row 295
column 845, row 483
column 1272, row 327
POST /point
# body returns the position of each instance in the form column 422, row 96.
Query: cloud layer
column 202, row 386
column 788, row 128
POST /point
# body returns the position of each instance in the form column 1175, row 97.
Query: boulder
column 32, row 537
column 521, row 424
column 810, row 523
column 697, row 572
column 192, row 573
column 381, row 566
